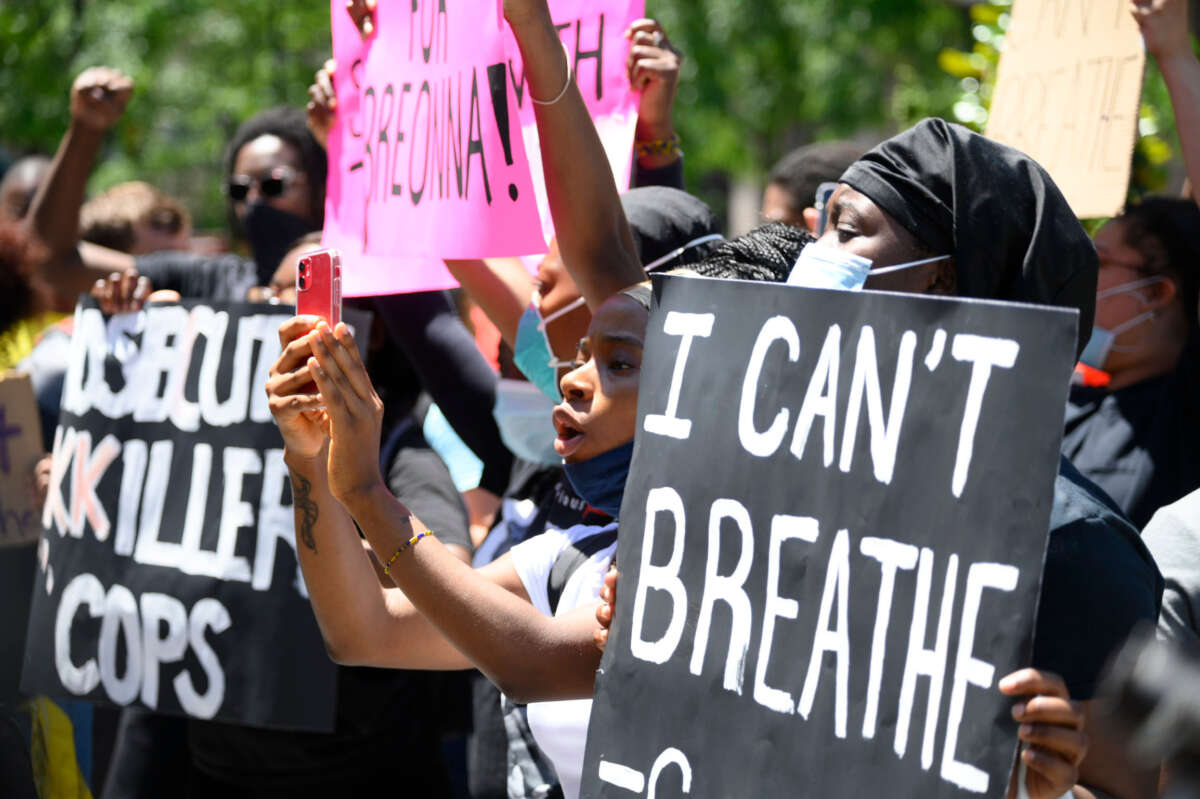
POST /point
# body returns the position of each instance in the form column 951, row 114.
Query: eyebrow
column 621, row 338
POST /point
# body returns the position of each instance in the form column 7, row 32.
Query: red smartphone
column 319, row 285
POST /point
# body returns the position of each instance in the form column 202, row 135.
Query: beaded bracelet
column 645, row 149
column 405, row 546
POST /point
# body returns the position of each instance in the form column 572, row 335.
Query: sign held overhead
column 1067, row 94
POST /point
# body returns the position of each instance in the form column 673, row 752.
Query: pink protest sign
column 434, row 150
column 593, row 33
column 347, row 195
column 426, row 149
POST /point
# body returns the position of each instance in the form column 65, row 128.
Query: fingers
column 600, row 638
column 644, row 25
column 1034, row 681
column 1051, row 768
column 296, row 327
column 1050, row 710
column 1069, row 744
column 361, row 11
column 338, row 358
column 293, row 357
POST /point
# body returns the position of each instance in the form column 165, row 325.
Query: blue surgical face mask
column 523, row 414
column 1103, row 340
column 532, row 353
column 823, row 267
column 600, row 481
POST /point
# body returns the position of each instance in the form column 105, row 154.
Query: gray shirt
column 1173, row 537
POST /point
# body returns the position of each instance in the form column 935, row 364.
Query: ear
column 812, row 218
column 943, row 279
column 1160, row 295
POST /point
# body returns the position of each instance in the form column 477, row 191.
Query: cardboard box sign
column 20, row 450
column 831, row 545
column 1067, row 94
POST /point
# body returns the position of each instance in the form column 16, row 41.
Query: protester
column 20, row 182
column 1166, row 30
column 791, row 193
column 136, row 218
column 953, row 209
column 1134, row 426
column 669, row 227
column 275, row 183
column 389, row 722
column 1173, row 537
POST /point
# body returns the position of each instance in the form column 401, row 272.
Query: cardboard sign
column 168, row 571
column 1067, row 94
column 434, row 151
column 832, row 541
column 20, row 450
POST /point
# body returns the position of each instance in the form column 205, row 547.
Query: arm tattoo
column 302, row 498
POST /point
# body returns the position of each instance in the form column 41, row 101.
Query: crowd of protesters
column 467, row 658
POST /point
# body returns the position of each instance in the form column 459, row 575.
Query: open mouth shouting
column 570, row 432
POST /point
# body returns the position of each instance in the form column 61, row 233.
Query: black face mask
column 271, row 234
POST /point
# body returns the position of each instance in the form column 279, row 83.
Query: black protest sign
column 168, row 575
column 832, row 541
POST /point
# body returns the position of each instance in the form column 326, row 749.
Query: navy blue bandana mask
column 600, row 481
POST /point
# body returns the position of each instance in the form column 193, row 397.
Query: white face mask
column 1103, row 340
column 823, row 267
column 523, row 414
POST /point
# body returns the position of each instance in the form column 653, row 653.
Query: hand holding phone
column 319, row 285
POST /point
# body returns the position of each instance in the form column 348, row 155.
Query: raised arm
column 448, row 615
column 98, row 98
column 1165, row 28
column 500, row 286
column 589, row 222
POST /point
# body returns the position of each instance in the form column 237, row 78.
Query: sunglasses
column 273, row 185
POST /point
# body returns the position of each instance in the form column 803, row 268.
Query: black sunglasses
column 272, row 186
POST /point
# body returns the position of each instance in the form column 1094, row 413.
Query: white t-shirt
column 560, row 728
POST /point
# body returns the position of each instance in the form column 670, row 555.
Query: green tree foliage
column 762, row 77
column 201, row 67
column 975, row 69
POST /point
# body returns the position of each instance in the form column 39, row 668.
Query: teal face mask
column 532, row 353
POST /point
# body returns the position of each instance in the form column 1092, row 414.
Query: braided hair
column 766, row 253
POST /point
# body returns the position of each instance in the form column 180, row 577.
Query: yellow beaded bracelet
column 405, row 546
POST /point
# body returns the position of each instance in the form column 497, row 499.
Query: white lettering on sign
column 690, row 326
column 660, row 586
column 134, row 626
column 865, row 396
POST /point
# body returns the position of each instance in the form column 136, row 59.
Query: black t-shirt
column 217, row 278
column 1098, row 583
column 389, row 722
column 18, row 567
column 1137, row 443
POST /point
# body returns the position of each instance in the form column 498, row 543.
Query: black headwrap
column 664, row 219
column 1011, row 232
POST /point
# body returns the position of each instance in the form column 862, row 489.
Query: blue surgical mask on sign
column 823, row 267
column 523, row 414
column 531, row 351
column 600, row 481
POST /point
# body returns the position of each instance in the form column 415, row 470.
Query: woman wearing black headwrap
column 941, row 190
